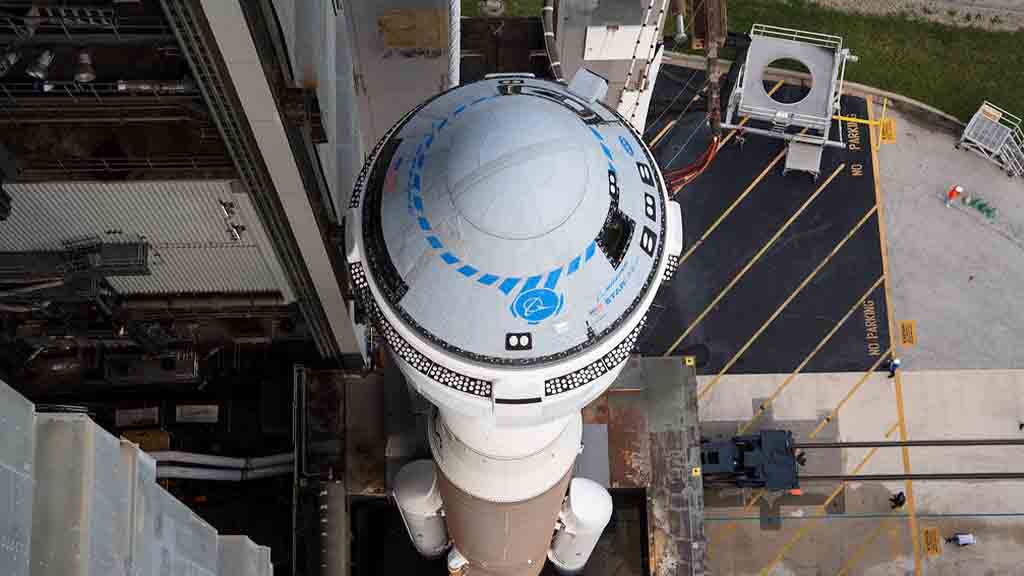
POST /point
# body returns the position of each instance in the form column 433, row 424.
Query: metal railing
column 996, row 135
column 824, row 40
column 72, row 22
column 172, row 166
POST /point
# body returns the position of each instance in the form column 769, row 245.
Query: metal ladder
column 1013, row 153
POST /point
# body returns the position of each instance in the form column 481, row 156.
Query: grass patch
column 953, row 69
column 471, row 8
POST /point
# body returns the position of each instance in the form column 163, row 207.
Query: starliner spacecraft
column 506, row 239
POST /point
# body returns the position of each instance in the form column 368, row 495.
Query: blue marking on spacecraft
column 574, row 265
column 626, row 145
column 533, row 304
column 532, row 282
column 552, row 280
column 508, row 284
column 537, row 305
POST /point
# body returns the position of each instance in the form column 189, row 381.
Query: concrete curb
column 919, row 110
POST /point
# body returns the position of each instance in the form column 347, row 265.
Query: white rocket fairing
column 506, row 239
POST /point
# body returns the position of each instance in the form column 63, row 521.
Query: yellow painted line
column 822, row 508
column 781, row 307
column 855, row 120
column 898, row 385
column 668, row 126
column 728, row 528
column 744, row 121
column 734, row 204
column 731, row 207
column 821, row 344
column 853, row 390
column 663, row 131
column 771, row 241
column 855, row 557
column 881, row 123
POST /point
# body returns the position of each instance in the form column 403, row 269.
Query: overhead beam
column 88, row 39
column 216, row 40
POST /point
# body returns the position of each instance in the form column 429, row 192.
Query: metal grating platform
column 824, row 57
column 995, row 134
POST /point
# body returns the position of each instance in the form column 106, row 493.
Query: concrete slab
column 954, row 271
column 938, row 404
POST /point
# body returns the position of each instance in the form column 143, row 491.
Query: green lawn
column 471, row 8
column 953, row 69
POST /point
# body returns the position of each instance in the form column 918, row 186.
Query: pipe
column 222, row 461
column 186, row 473
column 31, row 288
column 913, row 477
column 548, row 20
column 335, row 539
column 896, row 444
column 96, row 120
column 782, row 136
column 96, row 39
column 680, row 36
column 454, row 42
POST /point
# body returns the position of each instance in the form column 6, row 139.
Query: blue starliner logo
column 537, row 305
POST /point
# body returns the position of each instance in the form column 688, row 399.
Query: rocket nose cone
column 519, row 172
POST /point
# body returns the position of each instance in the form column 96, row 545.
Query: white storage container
column 239, row 556
column 80, row 499
column 17, row 453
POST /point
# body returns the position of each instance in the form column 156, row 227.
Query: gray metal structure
column 201, row 236
column 7, row 171
column 17, row 461
column 662, row 392
column 76, row 500
column 825, row 58
column 995, row 134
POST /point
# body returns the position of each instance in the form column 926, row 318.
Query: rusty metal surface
column 365, row 435
column 654, row 443
column 629, row 459
column 597, row 411
column 675, row 503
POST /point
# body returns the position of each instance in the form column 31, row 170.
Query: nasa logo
column 625, row 145
column 537, row 305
